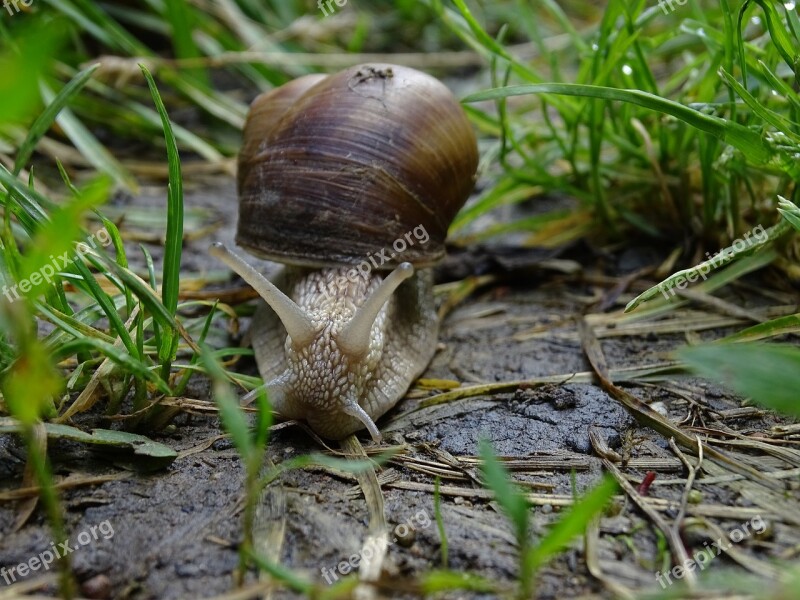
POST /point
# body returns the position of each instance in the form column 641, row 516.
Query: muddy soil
column 176, row 530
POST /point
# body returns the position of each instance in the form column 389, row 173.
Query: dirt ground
column 176, row 530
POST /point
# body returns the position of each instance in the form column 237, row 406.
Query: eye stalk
column 297, row 324
column 354, row 337
column 354, row 410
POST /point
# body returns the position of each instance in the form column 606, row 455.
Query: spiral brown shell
column 335, row 168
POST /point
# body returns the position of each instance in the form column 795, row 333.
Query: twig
column 673, row 539
column 676, row 526
column 377, row 539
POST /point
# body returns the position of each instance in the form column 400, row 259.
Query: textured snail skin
column 313, row 382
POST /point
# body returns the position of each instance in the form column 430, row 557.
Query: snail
column 351, row 181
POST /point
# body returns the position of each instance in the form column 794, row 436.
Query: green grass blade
column 181, row 20
column 484, row 38
column 437, row 512
column 779, row 122
column 746, row 140
column 750, row 245
column 789, row 211
column 170, row 281
column 138, row 287
column 230, row 413
column 89, row 147
column 444, row 580
column 115, row 354
column 28, row 205
column 779, row 85
column 507, row 494
column 106, row 303
column 46, row 118
column 263, row 420
column 53, row 246
column 283, row 574
column 779, row 34
column 571, row 523
column 68, row 324
column 771, row 328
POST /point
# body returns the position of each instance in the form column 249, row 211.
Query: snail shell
column 358, row 159
column 335, row 169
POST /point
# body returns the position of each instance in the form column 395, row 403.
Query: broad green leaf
column 30, row 382
column 767, row 373
column 160, row 454
column 35, row 51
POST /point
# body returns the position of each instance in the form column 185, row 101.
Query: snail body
column 341, row 178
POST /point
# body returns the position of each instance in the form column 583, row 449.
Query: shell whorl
column 335, row 168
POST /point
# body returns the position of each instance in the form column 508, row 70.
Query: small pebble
column 546, row 509
column 97, row 588
column 458, row 500
column 405, row 535
column 694, row 534
column 615, row 507
column 660, row 408
column 766, row 527
column 695, row 497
